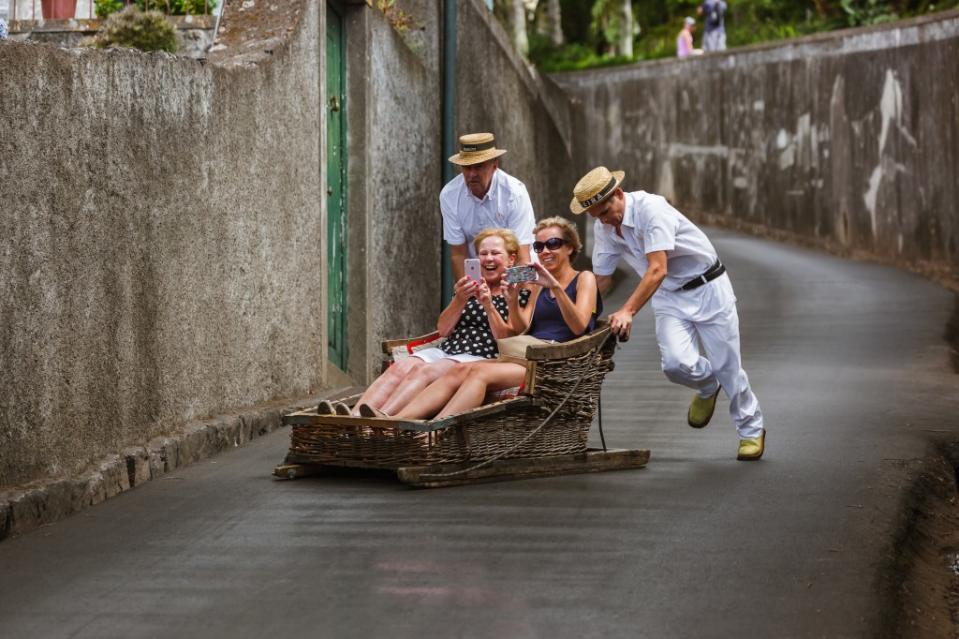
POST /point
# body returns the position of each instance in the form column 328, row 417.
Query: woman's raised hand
column 484, row 295
column 465, row 288
column 545, row 279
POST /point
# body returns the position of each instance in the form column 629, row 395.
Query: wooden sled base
column 440, row 475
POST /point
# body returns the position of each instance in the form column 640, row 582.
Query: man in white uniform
column 691, row 295
column 482, row 197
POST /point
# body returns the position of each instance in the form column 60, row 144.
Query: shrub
column 147, row 31
column 178, row 7
column 105, row 8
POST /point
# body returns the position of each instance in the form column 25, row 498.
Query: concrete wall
column 497, row 91
column 159, row 245
column 399, row 159
column 847, row 140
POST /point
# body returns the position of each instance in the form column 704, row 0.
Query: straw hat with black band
column 594, row 187
column 476, row 148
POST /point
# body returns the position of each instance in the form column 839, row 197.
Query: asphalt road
column 851, row 369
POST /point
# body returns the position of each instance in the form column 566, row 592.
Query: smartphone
column 519, row 274
column 471, row 266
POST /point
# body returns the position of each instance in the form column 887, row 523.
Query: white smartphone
column 471, row 266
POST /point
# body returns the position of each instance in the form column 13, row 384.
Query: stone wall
column 159, row 251
column 496, row 90
column 847, row 140
column 405, row 177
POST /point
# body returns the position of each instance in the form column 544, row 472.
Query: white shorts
column 430, row 355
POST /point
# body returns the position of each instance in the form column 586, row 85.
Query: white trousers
column 706, row 317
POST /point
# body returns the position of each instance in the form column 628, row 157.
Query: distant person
column 482, row 197
column 714, row 19
column 687, row 286
column 3, row 28
column 684, row 41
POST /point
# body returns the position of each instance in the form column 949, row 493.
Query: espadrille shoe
column 341, row 409
column 752, row 448
column 325, row 407
column 369, row 411
column 701, row 410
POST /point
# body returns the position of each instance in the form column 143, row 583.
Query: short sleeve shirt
column 651, row 224
column 505, row 205
column 472, row 333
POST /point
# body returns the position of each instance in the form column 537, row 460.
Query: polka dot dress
column 472, row 333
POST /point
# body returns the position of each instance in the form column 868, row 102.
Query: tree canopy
column 605, row 32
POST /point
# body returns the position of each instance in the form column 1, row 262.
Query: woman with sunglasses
column 564, row 305
column 471, row 323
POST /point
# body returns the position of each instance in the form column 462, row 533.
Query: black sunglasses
column 552, row 244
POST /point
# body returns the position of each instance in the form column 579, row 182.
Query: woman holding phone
column 564, row 306
column 472, row 322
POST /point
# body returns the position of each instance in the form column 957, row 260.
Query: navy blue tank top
column 548, row 322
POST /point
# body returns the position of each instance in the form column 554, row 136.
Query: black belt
column 711, row 273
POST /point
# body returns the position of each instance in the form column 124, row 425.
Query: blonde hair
column 509, row 239
column 567, row 228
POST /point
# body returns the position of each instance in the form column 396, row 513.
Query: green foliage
column 106, row 8
column 607, row 21
column 590, row 26
column 147, row 31
column 572, row 57
column 864, row 12
column 178, row 7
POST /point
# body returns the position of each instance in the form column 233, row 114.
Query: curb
column 42, row 503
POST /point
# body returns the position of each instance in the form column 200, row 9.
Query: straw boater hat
column 594, row 187
column 476, row 148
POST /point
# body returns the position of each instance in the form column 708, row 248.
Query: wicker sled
column 541, row 431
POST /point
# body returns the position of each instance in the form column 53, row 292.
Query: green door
column 336, row 187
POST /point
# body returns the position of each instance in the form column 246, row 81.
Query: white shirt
column 651, row 224
column 505, row 205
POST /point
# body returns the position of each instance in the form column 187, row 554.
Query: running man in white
column 691, row 295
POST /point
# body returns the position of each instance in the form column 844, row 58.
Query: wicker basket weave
column 493, row 430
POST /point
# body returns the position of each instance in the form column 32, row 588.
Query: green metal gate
column 336, row 187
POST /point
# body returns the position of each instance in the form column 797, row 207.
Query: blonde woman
column 471, row 323
column 564, row 305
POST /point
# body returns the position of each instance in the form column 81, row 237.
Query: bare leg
column 383, row 386
column 434, row 396
column 482, row 377
column 415, row 382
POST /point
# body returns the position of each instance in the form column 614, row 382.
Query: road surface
column 851, row 369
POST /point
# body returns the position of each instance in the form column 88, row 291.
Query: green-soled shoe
column 701, row 410
column 752, row 448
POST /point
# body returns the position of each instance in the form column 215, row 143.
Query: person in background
column 3, row 28
column 684, row 41
column 483, row 196
column 714, row 19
